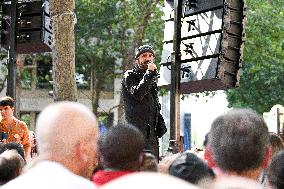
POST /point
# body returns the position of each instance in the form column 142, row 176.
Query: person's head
column 144, row 55
column 191, row 168
column 32, row 138
column 239, row 141
column 6, row 107
column 276, row 143
column 149, row 162
column 276, row 171
column 120, row 147
column 14, row 146
column 11, row 165
column 67, row 133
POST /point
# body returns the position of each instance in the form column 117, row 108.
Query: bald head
column 67, row 133
column 62, row 124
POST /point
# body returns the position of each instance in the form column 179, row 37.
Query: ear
column 81, row 154
column 267, row 157
column 141, row 158
column 209, row 157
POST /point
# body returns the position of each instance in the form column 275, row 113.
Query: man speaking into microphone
column 141, row 103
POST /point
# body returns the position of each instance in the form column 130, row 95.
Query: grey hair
column 238, row 140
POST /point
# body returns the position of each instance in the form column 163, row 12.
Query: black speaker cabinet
column 33, row 28
column 212, row 41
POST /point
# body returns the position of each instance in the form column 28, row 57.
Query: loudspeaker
column 212, row 41
column 33, row 28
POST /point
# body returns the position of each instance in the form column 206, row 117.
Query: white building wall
column 117, row 93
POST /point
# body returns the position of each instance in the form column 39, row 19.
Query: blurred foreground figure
column 276, row 171
column 149, row 162
column 120, row 149
column 143, row 180
column 11, row 166
column 276, row 143
column 67, row 144
column 239, row 144
column 191, row 168
column 13, row 146
column 234, row 182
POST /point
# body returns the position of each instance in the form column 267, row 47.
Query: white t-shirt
column 49, row 175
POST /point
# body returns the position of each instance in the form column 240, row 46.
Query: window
column 26, row 79
column 44, row 74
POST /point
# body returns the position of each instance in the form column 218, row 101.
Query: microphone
column 156, row 74
column 148, row 62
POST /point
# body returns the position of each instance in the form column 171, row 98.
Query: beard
column 143, row 65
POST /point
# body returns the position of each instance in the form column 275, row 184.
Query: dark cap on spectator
column 191, row 168
column 144, row 48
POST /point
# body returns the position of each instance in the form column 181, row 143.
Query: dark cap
column 191, row 168
column 144, row 48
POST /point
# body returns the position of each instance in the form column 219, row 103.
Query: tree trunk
column 96, row 97
column 63, row 50
column 95, row 89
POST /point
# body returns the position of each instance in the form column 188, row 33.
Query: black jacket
column 142, row 107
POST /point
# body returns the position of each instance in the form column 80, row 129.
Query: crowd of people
column 66, row 150
column 239, row 152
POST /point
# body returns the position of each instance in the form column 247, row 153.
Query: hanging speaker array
column 212, row 42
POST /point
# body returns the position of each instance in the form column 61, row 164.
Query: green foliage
column 94, row 39
column 262, row 78
column 107, row 29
